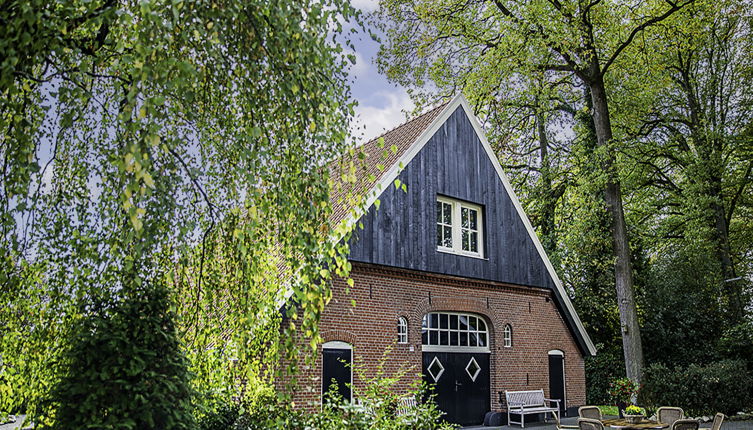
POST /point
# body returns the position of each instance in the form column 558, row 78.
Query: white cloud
column 374, row 119
column 362, row 68
column 365, row 5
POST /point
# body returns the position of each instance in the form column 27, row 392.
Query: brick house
column 449, row 273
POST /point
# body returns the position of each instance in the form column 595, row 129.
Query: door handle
column 457, row 384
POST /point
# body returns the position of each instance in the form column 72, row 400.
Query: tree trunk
column 548, row 231
column 631, row 335
column 731, row 289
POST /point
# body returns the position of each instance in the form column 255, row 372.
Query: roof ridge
column 386, row 132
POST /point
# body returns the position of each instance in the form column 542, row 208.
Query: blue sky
column 382, row 105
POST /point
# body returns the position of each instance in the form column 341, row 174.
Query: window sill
column 461, row 253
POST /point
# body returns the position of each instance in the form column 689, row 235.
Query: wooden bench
column 405, row 404
column 529, row 402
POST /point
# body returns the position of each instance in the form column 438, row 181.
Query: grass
column 609, row 410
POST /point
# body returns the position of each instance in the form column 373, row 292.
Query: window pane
column 424, row 337
column 434, row 318
column 443, row 321
column 481, row 325
column 433, row 338
column 439, row 235
column 466, row 247
column 472, row 323
column 474, row 216
column 464, row 217
column 463, row 322
column 463, row 338
column 482, row 339
column 472, row 338
column 454, row 322
column 448, row 237
column 443, row 338
column 424, row 321
column 447, row 213
column 474, row 242
column 453, row 338
column 439, row 212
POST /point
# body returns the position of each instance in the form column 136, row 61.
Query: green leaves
column 183, row 146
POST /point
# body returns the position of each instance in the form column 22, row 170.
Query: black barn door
column 462, row 384
column 335, row 370
column 557, row 379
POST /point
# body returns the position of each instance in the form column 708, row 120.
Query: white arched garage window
column 455, row 331
column 402, row 330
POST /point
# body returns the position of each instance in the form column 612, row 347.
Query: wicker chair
column 668, row 415
column 590, row 424
column 591, row 412
column 686, row 425
column 561, row 426
column 718, row 419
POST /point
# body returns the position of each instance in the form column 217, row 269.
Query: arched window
column 402, row 330
column 508, row 336
column 442, row 330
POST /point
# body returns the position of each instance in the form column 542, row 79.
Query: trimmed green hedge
column 722, row 386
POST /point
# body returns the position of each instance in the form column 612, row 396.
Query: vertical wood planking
column 402, row 232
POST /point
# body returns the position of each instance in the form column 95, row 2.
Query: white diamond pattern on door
column 436, row 369
column 473, row 369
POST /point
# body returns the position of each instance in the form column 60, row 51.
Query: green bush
column 722, row 386
column 378, row 395
column 124, row 370
column 601, row 369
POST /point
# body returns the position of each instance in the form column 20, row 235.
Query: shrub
column 622, row 390
column 604, row 367
column 378, row 397
column 722, row 386
column 124, row 369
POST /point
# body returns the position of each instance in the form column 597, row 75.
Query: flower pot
column 633, row 419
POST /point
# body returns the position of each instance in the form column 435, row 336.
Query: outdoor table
column 623, row 424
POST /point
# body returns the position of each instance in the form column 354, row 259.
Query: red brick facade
column 382, row 294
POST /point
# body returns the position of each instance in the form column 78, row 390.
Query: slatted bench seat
column 529, row 402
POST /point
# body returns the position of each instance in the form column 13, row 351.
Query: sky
column 381, row 105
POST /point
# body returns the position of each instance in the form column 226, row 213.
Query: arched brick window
column 402, row 330
column 507, row 334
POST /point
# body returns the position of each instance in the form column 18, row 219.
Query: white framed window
column 459, row 227
column 442, row 331
column 507, row 335
column 402, row 330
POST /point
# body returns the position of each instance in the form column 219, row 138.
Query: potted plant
column 634, row 414
column 623, row 392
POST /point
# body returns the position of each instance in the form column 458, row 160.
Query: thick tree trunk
column 710, row 158
column 631, row 335
column 550, row 198
column 731, row 289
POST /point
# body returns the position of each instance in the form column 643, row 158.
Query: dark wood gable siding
column 402, row 232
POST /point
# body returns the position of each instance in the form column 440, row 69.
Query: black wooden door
column 335, row 370
column 557, row 379
column 461, row 383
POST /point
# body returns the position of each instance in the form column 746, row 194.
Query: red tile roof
column 353, row 175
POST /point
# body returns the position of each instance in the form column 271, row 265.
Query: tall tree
column 134, row 136
column 459, row 44
column 696, row 145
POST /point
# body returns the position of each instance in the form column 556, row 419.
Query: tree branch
column 638, row 29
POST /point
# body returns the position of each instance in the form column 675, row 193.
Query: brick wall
column 383, row 294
